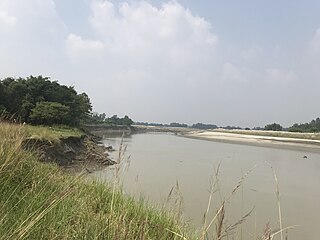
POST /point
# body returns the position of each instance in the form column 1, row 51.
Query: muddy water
column 159, row 161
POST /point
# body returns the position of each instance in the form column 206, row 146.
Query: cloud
column 143, row 52
column 78, row 47
column 315, row 43
column 232, row 73
column 31, row 37
column 6, row 18
column 169, row 33
column 276, row 75
column 251, row 53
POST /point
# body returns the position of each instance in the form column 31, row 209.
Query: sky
column 242, row 63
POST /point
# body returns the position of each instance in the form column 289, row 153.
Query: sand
column 263, row 141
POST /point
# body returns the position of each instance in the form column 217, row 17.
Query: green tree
column 273, row 127
column 49, row 113
column 25, row 110
column 80, row 108
column 19, row 96
column 313, row 126
column 126, row 121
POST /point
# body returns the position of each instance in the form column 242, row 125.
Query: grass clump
column 38, row 201
column 52, row 134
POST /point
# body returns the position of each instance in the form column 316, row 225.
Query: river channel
column 158, row 161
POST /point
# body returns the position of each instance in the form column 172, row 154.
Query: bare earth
column 264, row 141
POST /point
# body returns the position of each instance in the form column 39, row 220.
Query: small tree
column 49, row 113
column 126, row 121
column 273, row 127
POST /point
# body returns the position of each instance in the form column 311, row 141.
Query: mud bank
column 72, row 153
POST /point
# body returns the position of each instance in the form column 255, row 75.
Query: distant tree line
column 151, row 124
column 101, row 118
column 313, row 126
column 273, row 127
column 38, row 100
column 232, row 128
column 204, row 126
column 173, row 124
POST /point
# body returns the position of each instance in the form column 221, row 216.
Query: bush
column 273, row 127
column 49, row 113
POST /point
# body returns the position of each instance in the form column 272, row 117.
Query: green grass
column 52, row 134
column 310, row 136
column 38, row 201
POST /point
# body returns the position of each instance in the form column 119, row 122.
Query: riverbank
column 155, row 129
column 69, row 148
column 40, row 201
column 264, row 139
column 274, row 139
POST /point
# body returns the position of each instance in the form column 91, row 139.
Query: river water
column 157, row 162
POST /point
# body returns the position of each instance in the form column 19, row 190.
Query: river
column 157, row 162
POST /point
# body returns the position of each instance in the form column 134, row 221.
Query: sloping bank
column 39, row 201
column 73, row 153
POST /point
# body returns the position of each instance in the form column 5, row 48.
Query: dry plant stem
column 213, row 219
column 220, row 223
column 279, row 204
column 214, row 183
column 206, row 228
column 278, row 200
column 282, row 230
column 178, row 202
column 241, row 181
column 177, row 234
column 117, row 167
column 239, row 222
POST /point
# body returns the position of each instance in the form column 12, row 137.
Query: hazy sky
column 244, row 63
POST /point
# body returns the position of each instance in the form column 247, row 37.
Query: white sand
column 292, row 143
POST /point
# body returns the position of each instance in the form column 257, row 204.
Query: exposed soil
column 72, row 153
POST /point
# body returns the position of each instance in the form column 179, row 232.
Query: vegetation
column 232, row 127
column 175, row 124
column 38, row 100
column 51, row 134
column 96, row 118
column 273, row 127
column 151, row 124
column 37, row 201
column 49, row 113
column 204, row 126
column 313, row 126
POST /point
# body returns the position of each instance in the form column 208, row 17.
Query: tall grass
column 38, row 201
